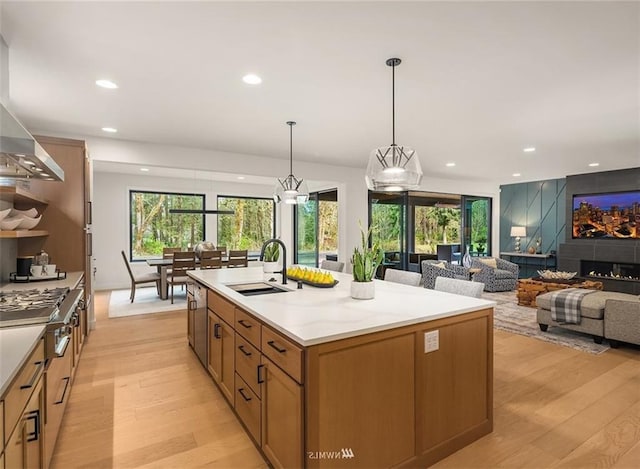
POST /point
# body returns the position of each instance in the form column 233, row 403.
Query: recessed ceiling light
column 106, row 84
column 146, row 170
column 594, row 164
column 240, row 177
column 529, row 149
column 110, row 129
column 450, row 165
column 252, row 79
column 515, row 175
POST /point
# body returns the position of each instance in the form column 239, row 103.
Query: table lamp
column 518, row 232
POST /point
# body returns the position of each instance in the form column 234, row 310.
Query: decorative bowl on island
column 550, row 274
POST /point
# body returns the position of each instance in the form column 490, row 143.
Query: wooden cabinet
column 23, row 405
column 25, row 447
column 220, row 360
column 58, row 383
column 282, row 417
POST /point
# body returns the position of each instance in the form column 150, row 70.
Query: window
column 250, row 226
column 152, row 227
column 316, row 228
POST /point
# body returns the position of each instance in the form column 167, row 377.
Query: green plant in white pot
column 365, row 260
column 271, row 256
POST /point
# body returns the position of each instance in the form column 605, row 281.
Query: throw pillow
column 490, row 261
column 440, row 265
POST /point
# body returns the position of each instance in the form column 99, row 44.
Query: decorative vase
column 466, row 259
column 270, row 267
column 362, row 290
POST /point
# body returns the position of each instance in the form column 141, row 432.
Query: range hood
column 21, row 157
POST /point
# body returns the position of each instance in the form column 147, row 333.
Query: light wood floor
column 141, row 399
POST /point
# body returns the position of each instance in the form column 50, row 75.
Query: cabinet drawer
column 283, row 353
column 1, row 428
column 248, row 408
column 248, row 363
column 220, row 306
column 21, row 389
column 248, row 326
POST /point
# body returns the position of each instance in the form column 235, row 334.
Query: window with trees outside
column 152, row 227
column 252, row 223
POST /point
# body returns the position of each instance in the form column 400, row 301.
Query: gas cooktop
column 22, row 307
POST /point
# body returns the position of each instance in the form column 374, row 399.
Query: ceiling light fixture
column 450, row 165
column 515, row 175
column 529, row 149
column 291, row 190
column 110, row 130
column 252, row 79
column 594, row 164
column 106, row 84
column 241, row 177
column 144, row 170
column 393, row 167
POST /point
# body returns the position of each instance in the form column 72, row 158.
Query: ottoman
column 591, row 311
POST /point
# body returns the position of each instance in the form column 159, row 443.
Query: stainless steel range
column 59, row 308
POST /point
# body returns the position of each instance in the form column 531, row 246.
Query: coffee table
column 529, row 288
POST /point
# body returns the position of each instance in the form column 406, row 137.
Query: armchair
column 432, row 269
column 502, row 277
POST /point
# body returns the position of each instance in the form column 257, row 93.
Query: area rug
column 147, row 301
column 509, row 316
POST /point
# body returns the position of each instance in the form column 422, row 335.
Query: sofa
column 604, row 314
column 431, row 269
column 501, row 276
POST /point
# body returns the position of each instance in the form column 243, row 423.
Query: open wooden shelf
column 18, row 194
column 23, row 234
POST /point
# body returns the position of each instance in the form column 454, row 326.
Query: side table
column 529, row 288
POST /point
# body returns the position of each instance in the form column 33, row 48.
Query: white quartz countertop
column 72, row 281
column 316, row 315
column 16, row 343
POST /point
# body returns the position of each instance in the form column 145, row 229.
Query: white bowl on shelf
column 28, row 223
column 4, row 213
column 10, row 223
column 31, row 213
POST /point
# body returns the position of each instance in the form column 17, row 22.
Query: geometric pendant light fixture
column 393, row 167
column 291, row 190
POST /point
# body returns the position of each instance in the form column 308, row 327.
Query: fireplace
column 610, row 270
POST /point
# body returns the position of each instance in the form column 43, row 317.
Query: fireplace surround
column 610, row 270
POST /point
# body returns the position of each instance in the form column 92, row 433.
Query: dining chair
column 140, row 278
column 238, row 258
column 459, row 287
column 336, row 266
column 211, row 259
column 168, row 252
column 403, row 276
column 182, row 262
column 223, row 249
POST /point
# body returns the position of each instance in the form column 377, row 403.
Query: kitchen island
column 320, row 379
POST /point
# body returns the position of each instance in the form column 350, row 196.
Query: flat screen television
column 613, row 215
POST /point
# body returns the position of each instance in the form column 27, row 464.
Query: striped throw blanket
column 565, row 305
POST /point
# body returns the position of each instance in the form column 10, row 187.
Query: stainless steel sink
column 256, row 288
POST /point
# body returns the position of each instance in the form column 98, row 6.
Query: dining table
column 163, row 265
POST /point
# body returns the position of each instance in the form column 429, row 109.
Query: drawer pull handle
column 243, row 323
column 260, row 378
column 32, row 381
column 35, row 434
column 216, row 331
column 246, row 354
column 244, row 396
column 273, row 345
column 64, row 391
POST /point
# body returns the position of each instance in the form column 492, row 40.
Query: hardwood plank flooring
column 141, row 399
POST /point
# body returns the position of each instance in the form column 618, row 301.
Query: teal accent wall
column 539, row 206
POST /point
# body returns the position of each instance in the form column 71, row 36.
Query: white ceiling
column 479, row 81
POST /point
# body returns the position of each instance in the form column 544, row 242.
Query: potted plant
column 365, row 261
column 480, row 245
column 271, row 256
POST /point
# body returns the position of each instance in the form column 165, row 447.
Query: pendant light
column 394, row 167
column 291, row 190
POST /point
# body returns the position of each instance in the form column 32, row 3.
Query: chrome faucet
column 284, row 256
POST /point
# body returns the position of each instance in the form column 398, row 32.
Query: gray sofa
column 431, row 270
column 604, row 314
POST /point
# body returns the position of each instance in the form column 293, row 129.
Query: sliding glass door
column 477, row 225
column 388, row 213
column 316, row 229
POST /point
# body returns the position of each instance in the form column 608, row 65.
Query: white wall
column 111, row 192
